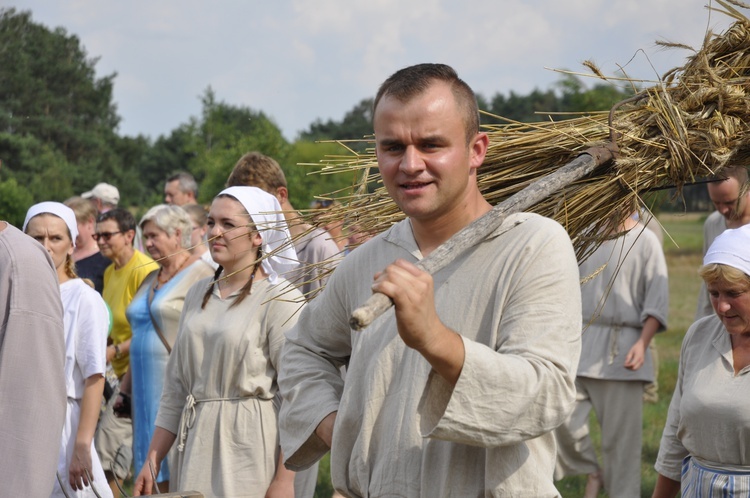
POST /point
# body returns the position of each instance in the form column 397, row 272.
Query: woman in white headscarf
column 704, row 449
column 220, row 402
column 86, row 321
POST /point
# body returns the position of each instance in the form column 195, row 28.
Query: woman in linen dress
column 704, row 448
column 220, row 404
column 86, row 321
column 158, row 302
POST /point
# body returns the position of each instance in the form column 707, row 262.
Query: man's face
column 423, row 156
column 724, row 195
column 173, row 194
column 85, row 233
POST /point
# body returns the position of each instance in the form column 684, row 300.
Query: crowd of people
column 209, row 348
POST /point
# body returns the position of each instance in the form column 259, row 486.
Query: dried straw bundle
column 692, row 125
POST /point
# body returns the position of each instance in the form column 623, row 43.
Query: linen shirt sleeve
column 310, row 380
column 656, row 286
column 524, row 386
column 671, row 450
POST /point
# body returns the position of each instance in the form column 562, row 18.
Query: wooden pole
column 479, row 229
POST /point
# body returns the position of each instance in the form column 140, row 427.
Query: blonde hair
column 715, row 272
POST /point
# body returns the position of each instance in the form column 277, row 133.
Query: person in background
column 198, row 242
column 154, row 314
column 90, row 262
column 456, row 390
column 625, row 298
column 115, row 231
column 334, row 229
column 104, row 197
column 704, row 448
column 86, row 321
column 180, row 189
column 317, row 253
column 220, row 400
column 32, row 366
column 730, row 194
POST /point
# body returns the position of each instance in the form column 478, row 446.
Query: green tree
column 222, row 135
column 14, row 200
column 52, row 104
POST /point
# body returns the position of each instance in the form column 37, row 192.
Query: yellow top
column 120, row 285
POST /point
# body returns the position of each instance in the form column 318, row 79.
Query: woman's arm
column 666, row 488
column 161, row 442
column 91, row 403
column 282, row 485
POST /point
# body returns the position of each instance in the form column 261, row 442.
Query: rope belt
column 188, row 415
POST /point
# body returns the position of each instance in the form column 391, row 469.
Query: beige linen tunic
column 32, row 373
column 633, row 279
column 403, row 431
column 714, row 225
column 230, row 354
column 709, row 416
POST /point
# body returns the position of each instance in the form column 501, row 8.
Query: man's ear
column 282, row 194
column 130, row 235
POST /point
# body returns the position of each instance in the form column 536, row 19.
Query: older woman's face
column 52, row 232
column 731, row 302
column 159, row 243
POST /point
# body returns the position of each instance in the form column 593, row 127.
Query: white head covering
column 279, row 256
column 731, row 248
column 58, row 209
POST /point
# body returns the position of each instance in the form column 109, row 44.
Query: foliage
column 356, row 124
column 14, row 199
column 222, row 135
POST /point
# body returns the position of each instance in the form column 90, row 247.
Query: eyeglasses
column 104, row 235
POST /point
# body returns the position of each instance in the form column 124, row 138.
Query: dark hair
column 257, row 170
column 185, row 181
column 125, row 220
column 409, row 82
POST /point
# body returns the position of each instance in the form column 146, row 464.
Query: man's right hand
column 325, row 428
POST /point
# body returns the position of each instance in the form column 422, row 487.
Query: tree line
column 58, row 128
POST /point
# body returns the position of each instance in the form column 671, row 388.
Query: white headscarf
column 58, row 209
column 731, row 248
column 279, row 256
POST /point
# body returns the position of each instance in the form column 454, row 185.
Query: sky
column 303, row 60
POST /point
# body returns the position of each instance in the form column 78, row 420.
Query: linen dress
column 401, row 430
column 148, row 355
column 226, row 359
column 709, row 415
column 86, row 328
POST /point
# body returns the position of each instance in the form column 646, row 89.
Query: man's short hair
column 84, row 209
column 412, row 81
column 257, row 170
column 185, row 181
column 125, row 220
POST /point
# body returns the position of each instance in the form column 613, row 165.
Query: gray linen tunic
column 226, row 358
column 32, row 372
column 401, row 429
column 639, row 290
column 709, row 416
column 714, row 225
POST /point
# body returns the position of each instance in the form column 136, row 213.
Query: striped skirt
column 700, row 481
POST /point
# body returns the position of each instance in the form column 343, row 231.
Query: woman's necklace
column 163, row 281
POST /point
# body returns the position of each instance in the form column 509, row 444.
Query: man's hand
column 411, row 290
column 636, row 356
column 325, row 428
column 413, row 295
